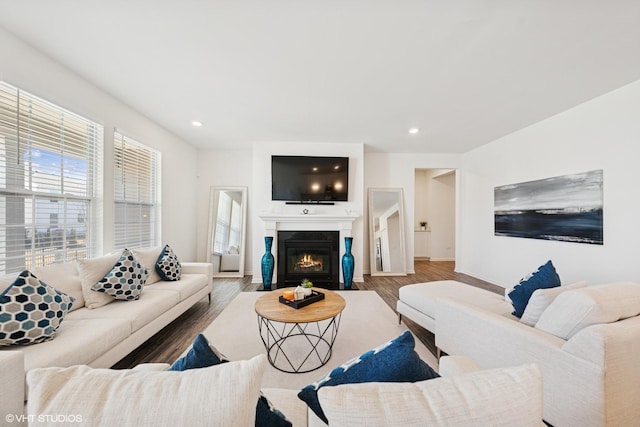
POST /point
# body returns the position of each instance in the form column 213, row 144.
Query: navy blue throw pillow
column 394, row 361
column 200, row 355
column 268, row 416
column 203, row 354
column 545, row 277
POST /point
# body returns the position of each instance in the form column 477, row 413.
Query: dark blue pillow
column 395, row 361
column 203, row 354
column 268, row 416
column 200, row 355
column 544, row 277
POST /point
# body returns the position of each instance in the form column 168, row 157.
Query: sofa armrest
column 205, row 268
column 449, row 366
column 12, row 380
column 496, row 341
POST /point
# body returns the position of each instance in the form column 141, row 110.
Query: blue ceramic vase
column 347, row 263
column 267, row 263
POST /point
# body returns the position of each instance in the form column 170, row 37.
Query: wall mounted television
column 306, row 179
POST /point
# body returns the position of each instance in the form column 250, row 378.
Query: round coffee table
column 299, row 340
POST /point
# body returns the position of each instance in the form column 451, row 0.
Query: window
column 136, row 193
column 49, row 159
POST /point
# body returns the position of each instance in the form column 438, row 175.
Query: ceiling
column 355, row 71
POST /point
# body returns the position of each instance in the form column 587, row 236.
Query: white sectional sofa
column 102, row 336
column 464, row 396
column 590, row 378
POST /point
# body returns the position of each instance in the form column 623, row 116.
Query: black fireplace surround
column 312, row 255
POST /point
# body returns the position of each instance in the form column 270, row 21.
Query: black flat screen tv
column 309, row 179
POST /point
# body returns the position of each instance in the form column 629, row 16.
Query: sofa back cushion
column 542, row 298
column 223, row 395
column 91, row 272
column 497, row 397
column 576, row 309
column 148, row 257
column 64, row 277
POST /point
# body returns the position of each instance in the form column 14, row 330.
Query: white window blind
column 136, row 193
column 49, row 160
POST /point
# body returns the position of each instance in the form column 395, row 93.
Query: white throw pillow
column 574, row 310
column 148, row 257
column 224, row 395
column 91, row 271
column 542, row 298
column 497, row 397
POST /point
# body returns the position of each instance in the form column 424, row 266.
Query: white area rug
column 367, row 321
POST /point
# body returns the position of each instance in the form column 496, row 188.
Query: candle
column 288, row 295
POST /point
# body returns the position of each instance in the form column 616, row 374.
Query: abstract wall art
column 564, row 208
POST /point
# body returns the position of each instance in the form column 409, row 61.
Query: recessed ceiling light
column 196, row 123
column 413, row 131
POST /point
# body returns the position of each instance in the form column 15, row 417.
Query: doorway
column 435, row 205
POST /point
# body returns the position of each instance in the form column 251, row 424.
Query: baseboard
column 442, row 259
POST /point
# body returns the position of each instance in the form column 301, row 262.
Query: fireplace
column 312, row 255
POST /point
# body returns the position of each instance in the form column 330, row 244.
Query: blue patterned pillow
column 203, row 354
column 168, row 266
column 394, row 361
column 126, row 279
column 31, row 311
column 545, row 277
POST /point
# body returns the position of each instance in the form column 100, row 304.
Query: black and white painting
column 565, row 208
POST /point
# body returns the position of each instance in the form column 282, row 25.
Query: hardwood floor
column 168, row 344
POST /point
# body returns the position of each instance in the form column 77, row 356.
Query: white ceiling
column 465, row 72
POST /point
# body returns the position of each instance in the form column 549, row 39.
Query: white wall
column 603, row 133
column 441, row 212
column 260, row 199
column 421, row 203
column 28, row 69
column 222, row 168
column 397, row 170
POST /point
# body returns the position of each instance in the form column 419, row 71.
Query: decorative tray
column 314, row 297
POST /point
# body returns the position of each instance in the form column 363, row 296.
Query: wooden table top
column 269, row 307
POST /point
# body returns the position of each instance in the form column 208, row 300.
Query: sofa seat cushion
column 423, row 296
column 151, row 305
column 189, row 284
column 78, row 342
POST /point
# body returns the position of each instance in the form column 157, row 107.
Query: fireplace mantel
column 287, row 222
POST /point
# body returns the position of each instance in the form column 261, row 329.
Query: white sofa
column 590, row 378
column 102, row 336
column 501, row 397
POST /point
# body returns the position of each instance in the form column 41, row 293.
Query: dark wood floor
column 168, row 344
